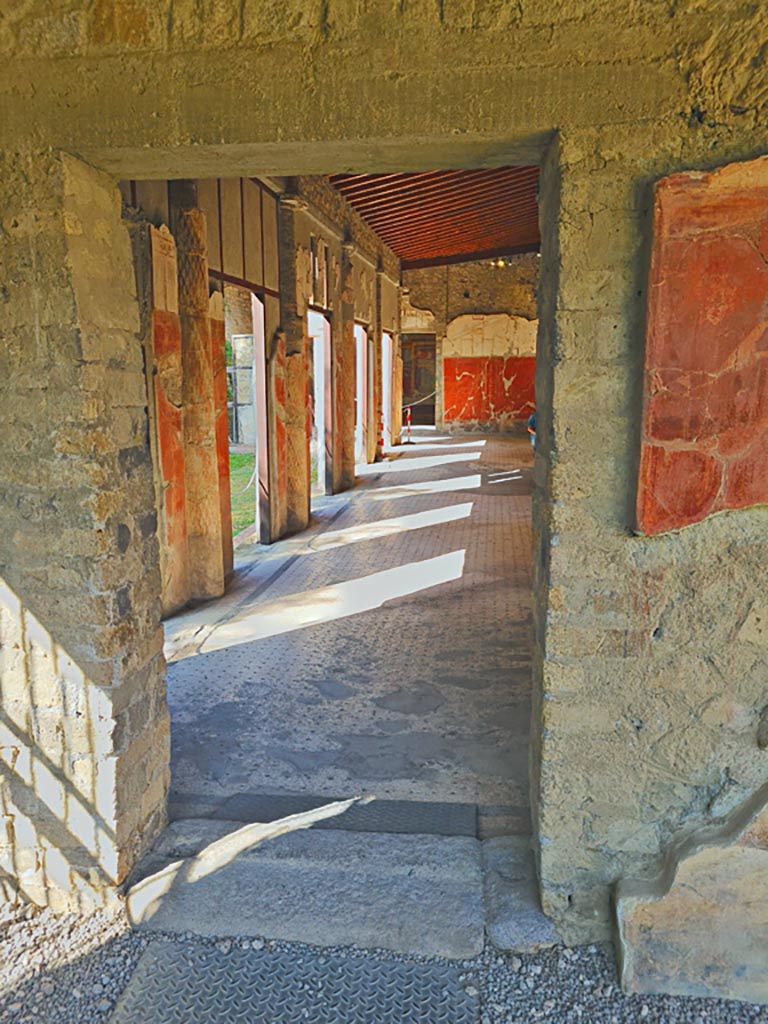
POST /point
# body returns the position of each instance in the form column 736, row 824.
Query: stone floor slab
column 418, row 692
column 408, row 893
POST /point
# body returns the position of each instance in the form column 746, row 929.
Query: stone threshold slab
column 408, row 893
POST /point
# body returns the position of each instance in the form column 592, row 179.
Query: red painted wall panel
column 705, row 416
column 169, row 424
column 490, row 390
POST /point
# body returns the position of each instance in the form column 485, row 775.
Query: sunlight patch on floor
column 335, row 602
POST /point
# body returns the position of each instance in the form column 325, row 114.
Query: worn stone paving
column 384, row 652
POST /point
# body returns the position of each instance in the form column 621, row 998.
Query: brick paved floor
column 384, row 651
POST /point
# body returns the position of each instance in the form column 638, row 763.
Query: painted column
column 346, row 386
column 204, row 525
column 296, row 377
column 219, row 367
column 167, row 419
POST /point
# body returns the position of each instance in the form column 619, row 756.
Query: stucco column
column 221, row 426
column 206, row 574
column 84, row 729
column 167, row 415
column 295, row 374
column 346, row 358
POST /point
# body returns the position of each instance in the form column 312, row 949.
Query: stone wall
column 83, row 727
column 649, row 686
column 474, row 288
column 648, row 683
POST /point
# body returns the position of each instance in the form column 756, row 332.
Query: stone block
column 701, row 928
column 324, row 887
column 513, row 917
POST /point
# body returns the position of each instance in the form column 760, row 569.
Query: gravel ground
column 62, row 970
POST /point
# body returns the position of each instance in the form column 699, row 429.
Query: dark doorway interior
column 419, row 377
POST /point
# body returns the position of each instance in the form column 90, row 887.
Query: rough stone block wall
column 475, row 287
column 84, row 728
column 650, row 686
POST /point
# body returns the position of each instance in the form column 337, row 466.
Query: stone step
column 409, row 893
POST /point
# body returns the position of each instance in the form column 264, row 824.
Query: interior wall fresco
column 705, row 417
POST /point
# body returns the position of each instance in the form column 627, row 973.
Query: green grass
column 243, row 505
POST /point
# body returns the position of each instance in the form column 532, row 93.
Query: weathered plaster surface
column 489, row 364
column 705, row 417
column 701, row 928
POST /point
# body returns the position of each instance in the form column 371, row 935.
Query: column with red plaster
column 165, row 364
column 204, row 525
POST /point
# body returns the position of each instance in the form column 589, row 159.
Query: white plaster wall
column 497, row 334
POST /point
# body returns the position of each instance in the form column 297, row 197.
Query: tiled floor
column 385, row 651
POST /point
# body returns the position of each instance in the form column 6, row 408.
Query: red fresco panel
column 705, row 413
column 166, row 344
column 488, row 389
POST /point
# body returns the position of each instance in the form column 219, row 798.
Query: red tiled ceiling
column 440, row 217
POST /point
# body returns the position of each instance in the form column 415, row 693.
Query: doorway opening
column 387, row 372
column 247, row 412
column 321, row 404
column 419, row 377
column 400, row 620
column 362, row 394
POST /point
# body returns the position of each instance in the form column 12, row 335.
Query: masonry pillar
column 347, row 371
column 206, row 571
column 221, row 425
column 167, row 418
column 84, row 728
column 397, row 392
column 295, row 375
column 278, row 441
